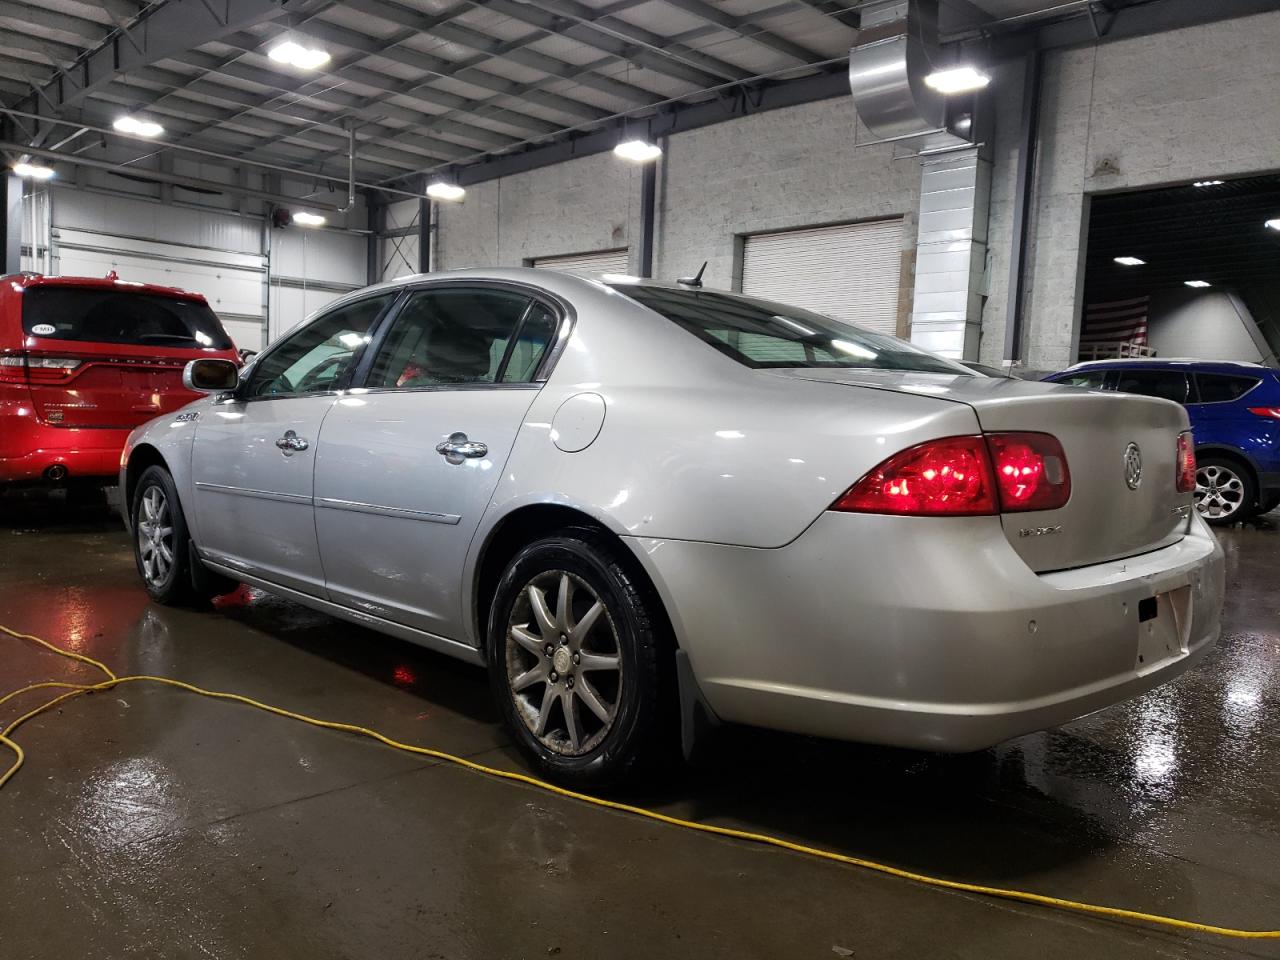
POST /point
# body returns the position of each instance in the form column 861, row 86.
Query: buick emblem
column 1132, row 466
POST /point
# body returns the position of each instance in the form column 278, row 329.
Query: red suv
column 83, row 361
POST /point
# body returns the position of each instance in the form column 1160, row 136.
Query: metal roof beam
column 743, row 27
column 90, row 31
column 165, row 30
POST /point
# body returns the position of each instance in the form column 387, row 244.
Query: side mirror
column 210, row 376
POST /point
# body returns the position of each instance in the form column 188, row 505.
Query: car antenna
column 696, row 279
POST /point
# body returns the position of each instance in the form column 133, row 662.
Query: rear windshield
column 761, row 334
column 120, row 316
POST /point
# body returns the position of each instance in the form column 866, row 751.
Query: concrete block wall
column 797, row 167
column 592, row 203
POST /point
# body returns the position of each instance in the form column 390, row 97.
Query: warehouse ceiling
column 425, row 84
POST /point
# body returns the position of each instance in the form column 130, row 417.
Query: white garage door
column 850, row 271
column 587, row 264
column 231, row 282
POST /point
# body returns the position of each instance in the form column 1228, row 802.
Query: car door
column 408, row 463
column 1165, row 384
column 254, row 456
column 1215, row 416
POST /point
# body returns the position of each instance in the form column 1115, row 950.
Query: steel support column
column 1028, row 139
column 10, row 223
column 648, row 213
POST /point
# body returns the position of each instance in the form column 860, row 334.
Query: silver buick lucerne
column 648, row 507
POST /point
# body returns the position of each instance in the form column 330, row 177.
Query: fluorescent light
column 1207, row 183
column 1273, row 224
column 139, row 128
column 440, row 190
column 296, row 55
column 1130, row 262
column 304, row 219
column 1196, row 283
column 637, row 151
column 957, row 80
column 34, row 170
column 854, row 349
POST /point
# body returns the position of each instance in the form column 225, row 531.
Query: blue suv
column 1235, row 418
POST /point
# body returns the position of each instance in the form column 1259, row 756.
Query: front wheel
column 1225, row 491
column 162, row 545
column 577, row 658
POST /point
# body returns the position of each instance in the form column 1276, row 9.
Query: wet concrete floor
column 150, row 823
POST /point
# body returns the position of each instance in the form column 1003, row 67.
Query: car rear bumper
column 27, row 455
column 930, row 633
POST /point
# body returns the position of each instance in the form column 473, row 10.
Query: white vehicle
column 643, row 504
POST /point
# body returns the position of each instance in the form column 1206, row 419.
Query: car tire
column 162, row 545
column 624, row 718
column 1226, row 492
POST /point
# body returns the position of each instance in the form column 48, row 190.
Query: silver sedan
column 646, row 508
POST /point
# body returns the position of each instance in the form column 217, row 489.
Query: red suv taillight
column 1272, row 413
column 1186, row 463
column 965, row 477
column 22, row 368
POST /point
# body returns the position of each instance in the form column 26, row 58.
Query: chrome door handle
column 458, row 448
column 291, row 443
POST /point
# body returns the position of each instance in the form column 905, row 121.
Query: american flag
column 1116, row 321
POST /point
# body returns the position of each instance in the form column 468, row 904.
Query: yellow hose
column 1004, row 893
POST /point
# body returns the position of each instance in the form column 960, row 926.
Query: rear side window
column 1223, row 388
column 761, row 334
column 1165, row 384
column 120, row 316
column 463, row 336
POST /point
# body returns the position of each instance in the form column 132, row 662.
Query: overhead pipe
column 157, row 176
column 232, row 158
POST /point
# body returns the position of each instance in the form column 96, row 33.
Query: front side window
column 1093, row 379
column 121, row 316
column 1165, row 384
column 1223, row 388
column 317, row 357
column 761, row 334
column 457, row 336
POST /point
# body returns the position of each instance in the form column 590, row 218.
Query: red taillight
column 1186, row 463
column 966, row 477
column 950, row 477
column 1272, row 413
column 1031, row 471
column 24, row 368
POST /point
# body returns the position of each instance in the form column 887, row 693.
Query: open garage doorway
column 1188, row 271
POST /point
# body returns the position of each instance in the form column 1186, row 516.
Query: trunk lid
column 1106, row 518
column 104, row 391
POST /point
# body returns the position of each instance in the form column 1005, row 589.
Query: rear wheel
column 1225, row 491
column 162, row 545
column 576, row 652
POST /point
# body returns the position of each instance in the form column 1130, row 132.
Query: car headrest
column 455, row 353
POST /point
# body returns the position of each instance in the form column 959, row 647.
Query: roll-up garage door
column 850, row 271
column 233, row 283
column 587, row 264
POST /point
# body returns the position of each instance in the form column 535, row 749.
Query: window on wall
column 586, row 264
column 850, row 271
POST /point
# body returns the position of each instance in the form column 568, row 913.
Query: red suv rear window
column 120, row 316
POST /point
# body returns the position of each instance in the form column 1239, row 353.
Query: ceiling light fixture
column 32, row 169
column 296, row 55
column 1198, row 284
column 443, row 190
column 1273, row 224
column 304, row 219
column 1207, row 183
column 1130, row 262
column 957, row 80
column 138, row 128
column 637, row 151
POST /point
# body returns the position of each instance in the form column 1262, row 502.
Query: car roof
column 25, row 281
column 1170, row 363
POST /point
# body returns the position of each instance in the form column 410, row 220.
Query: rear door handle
column 458, row 448
column 291, row 443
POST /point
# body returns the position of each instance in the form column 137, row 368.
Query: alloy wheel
column 155, row 536
column 1219, row 491
column 564, row 664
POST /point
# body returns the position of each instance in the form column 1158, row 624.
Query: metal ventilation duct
column 897, row 48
